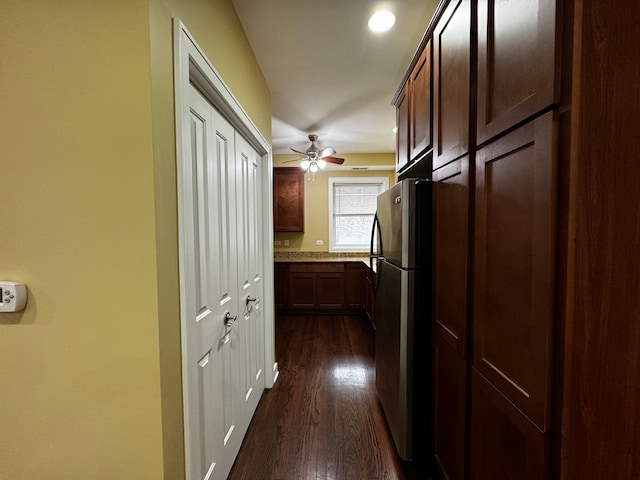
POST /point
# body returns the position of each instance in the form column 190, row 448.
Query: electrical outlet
column 286, row 243
column 319, row 242
column 277, row 242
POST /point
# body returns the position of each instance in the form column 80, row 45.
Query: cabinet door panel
column 354, row 293
column 515, row 257
column 451, row 252
column 451, row 81
column 402, row 122
column 420, row 138
column 302, row 290
column 281, row 287
column 504, row 443
column 330, row 290
column 449, row 414
column 516, row 62
column 288, row 201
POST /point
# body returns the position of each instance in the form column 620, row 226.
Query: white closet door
column 216, row 422
column 250, row 282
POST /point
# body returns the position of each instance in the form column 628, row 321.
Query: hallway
column 322, row 420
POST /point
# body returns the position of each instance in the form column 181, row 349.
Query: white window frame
column 384, row 181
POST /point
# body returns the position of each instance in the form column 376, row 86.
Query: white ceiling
column 328, row 74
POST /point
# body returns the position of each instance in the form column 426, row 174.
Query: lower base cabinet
column 319, row 286
column 369, row 297
column 354, row 293
column 281, row 287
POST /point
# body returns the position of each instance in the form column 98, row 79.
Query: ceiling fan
column 315, row 158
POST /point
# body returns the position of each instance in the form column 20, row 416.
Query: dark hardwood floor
column 322, row 419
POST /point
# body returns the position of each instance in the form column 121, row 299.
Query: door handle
column 228, row 319
column 248, row 300
column 375, row 229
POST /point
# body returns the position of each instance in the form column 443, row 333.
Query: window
column 352, row 205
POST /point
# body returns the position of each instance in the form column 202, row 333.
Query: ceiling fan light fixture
column 322, row 163
column 381, row 21
column 305, row 164
column 313, row 167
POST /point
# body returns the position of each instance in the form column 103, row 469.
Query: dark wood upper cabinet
column 451, row 235
column 420, row 112
column 517, row 74
column 515, row 238
column 402, row 123
column 288, row 199
column 413, row 113
column 451, row 82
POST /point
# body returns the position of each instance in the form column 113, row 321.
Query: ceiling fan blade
column 298, row 151
column 326, row 152
column 336, row 160
column 294, row 160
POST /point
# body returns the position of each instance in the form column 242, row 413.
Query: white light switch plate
column 13, row 296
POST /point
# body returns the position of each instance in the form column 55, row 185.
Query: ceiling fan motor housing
column 312, row 151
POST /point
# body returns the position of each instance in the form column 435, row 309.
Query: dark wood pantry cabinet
column 451, row 231
column 450, row 311
column 514, row 264
column 534, row 163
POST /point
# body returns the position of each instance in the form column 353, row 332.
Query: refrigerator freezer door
column 394, row 352
column 404, row 215
column 393, row 210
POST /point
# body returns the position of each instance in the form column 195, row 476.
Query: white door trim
column 192, row 66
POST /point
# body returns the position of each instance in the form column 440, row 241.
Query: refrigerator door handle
column 375, row 228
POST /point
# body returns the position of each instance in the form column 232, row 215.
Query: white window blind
column 352, row 205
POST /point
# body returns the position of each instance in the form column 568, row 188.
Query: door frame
column 192, row 66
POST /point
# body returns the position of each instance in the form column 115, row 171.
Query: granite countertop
column 297, row 256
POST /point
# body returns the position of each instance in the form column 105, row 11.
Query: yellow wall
column 316, row 197
column 90, row 371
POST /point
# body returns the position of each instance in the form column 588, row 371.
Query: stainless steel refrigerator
column 401, row 249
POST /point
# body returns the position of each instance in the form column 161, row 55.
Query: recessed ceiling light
column 381, row 21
